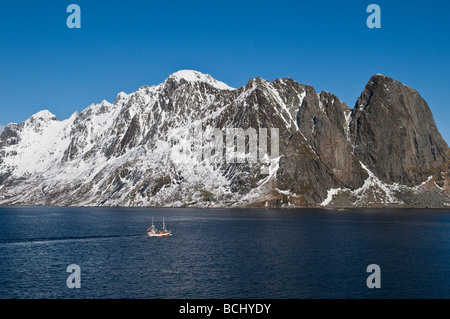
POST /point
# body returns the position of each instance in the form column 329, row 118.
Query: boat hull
column 165, row 234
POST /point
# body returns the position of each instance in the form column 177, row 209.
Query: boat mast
column 164, row 224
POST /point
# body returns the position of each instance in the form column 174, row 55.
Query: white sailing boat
column 154, row 232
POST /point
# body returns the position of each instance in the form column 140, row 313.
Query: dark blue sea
column 230, row 253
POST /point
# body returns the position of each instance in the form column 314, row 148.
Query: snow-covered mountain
column 153, row 148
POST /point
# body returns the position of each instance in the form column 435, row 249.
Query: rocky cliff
column 159, row 146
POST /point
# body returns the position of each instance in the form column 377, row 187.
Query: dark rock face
column 392, row 131
column 323, row 121
column 9, row 136
column 122, row 153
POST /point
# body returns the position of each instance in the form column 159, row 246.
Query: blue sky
column 123, row 45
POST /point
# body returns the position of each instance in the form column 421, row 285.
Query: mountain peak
column 385, row 80
column 44, row 115
column 394, row 134
column 379, row 75
column 195, row 76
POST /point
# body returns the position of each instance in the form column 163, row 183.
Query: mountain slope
column 158, row 147
column 410, row 148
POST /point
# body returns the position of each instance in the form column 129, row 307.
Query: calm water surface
column 224, row 253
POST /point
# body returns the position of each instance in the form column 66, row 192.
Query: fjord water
column 233, row 253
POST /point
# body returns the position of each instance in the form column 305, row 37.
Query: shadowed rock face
column 323, row 121
column 122, row 153
column 393, row 133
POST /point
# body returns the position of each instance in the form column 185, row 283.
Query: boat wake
column 43, row 240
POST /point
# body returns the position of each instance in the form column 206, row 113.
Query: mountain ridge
column 125, row 153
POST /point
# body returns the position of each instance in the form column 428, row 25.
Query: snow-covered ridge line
column 187, row 75
column 195, row 76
